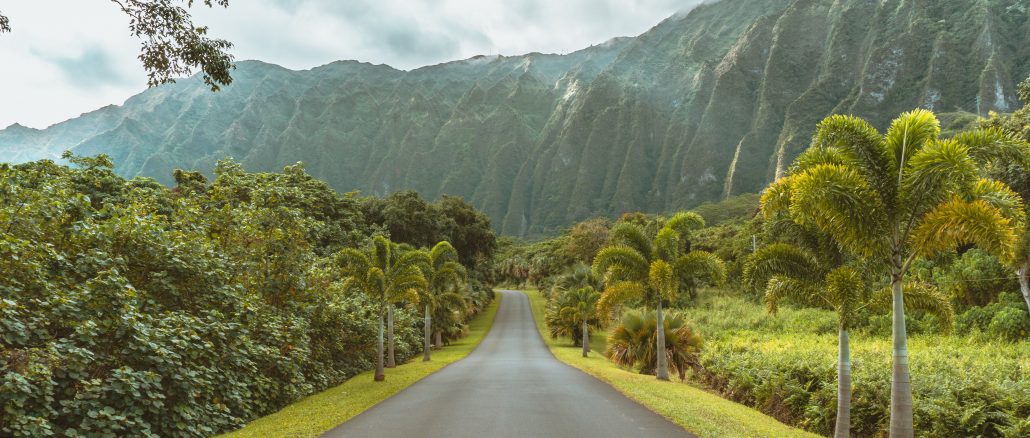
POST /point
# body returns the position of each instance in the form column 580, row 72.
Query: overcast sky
column 66, row 57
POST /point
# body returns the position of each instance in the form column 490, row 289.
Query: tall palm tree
column 580, row 307
column 386, row 277
column 789, row 271
column 446, row 277
column 894, row 197
column 652, row 269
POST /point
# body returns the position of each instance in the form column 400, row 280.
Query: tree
column 894, row 197
column 386, row 276
column 630, row 342
column 565, row 315
column 446, row 278
column 652, row 269
column 172, row 45
column 1014, row 170
column 580, row 306
column 787, row 271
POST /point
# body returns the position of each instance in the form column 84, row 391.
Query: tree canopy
column 173, row 46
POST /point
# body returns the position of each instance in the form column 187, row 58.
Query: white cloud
column 66, row 57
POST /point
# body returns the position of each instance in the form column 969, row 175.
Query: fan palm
column 446, row 278
column 653, row 269
column 789, row 271
column 632, row 342
column 894, row 197
column 386, row 277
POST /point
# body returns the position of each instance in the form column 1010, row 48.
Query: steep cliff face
column 704, row 105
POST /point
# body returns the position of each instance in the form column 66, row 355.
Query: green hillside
column 703, row 106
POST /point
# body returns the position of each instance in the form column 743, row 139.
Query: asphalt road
column 510, row 386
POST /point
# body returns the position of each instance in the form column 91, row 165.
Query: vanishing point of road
column 509, row 386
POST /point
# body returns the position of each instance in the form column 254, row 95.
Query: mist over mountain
column 705, row 105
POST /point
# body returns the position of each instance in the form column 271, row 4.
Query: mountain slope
column 704, row 105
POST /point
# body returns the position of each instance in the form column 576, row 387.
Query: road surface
column 509, row 386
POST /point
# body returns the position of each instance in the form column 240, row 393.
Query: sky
column 67, row 57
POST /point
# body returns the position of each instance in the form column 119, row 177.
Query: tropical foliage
column 890, row 198
column 652, row 269
column 130, row 308
column 632, row 343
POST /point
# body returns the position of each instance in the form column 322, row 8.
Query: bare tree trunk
column 662, row 369
column 391, row 362
column 1024, row 281
column 901, row 380
column 586, row 340
column 439, row 339
column 843, row 428
column 425, row 345
column 380, row 375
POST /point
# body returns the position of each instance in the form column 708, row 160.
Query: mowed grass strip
column 316, row 414
column 696, row 410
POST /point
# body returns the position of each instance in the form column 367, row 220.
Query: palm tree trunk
column 662, row 369
column 1024, row 281
column 439, row 339
column 586, row 340
column 380, row 375
column 391, row 361
column 901, row 380
column 843, row 429
column 425, row 345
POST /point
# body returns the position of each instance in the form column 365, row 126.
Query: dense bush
column 780, row 365
column 127, row 308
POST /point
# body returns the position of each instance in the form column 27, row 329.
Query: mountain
column 704, row 105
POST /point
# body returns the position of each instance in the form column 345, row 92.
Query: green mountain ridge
column 705, row 105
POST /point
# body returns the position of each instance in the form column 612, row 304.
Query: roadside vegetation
column 878, row 288
column 701, row 412
column 131, row 308
column 323, row 411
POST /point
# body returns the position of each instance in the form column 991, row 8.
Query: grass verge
column 316, row 414
column 701, row 412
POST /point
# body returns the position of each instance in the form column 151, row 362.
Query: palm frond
column 1000, row 196
column 684, row 222
column 661, row 277
column 701, row 267
column 838, row 201
column 776, row 197
column 666, row 244
column 934, row 173
column 958, row 222
column 781, row 259
column 909, row 133
column 849, row 140
column 617, row 263
column 618, row 293
column 631, row 235
column 845, row 291
column 780, row 287
column 993, row 145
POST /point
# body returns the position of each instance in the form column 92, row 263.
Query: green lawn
column 701, row 412
column 320, row 412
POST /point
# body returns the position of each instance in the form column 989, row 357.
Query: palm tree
column 891, row 198
column 789, row 271
column 580, row 308
column 384, row 276
column 636, row 266
column 630, row 342
column 573, row 304
column 446, row 280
